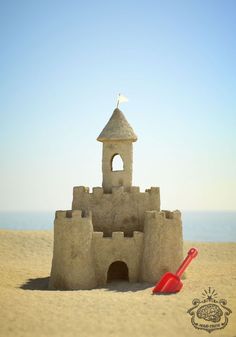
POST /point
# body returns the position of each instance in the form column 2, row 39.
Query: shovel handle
column 192, row 253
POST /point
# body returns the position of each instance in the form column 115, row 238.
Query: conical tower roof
column 117, row 129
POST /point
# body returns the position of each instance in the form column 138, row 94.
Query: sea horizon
column 198, row 225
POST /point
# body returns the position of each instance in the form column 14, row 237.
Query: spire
column 117, row 129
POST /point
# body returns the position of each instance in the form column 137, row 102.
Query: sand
column 27, row 308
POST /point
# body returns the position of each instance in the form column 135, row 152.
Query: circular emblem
column 209, row 314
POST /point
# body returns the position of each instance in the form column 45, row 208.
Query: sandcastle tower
column 115, row 232
column 117, row 138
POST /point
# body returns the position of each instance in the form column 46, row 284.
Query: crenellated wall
column 117, row 248
column 82, row 257
column 119, row 210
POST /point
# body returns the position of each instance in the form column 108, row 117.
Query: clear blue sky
column 62, row 64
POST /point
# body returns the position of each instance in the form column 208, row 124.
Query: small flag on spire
column 121, row 99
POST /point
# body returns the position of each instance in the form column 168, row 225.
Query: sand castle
column 115, row 232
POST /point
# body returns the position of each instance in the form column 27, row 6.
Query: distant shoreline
column 201, row 226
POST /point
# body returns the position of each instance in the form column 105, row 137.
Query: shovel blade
column 169, row 283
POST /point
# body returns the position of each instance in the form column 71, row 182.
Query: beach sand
column 27, row 308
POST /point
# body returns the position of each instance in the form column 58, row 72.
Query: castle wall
column 82, row 257
column 117, row 178
column 163, row 244
column 117, row 248
column 116, row 211
column 72, row 264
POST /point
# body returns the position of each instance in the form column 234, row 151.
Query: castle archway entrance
column 118, row 271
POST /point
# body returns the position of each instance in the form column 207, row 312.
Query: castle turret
column 72, row 264
column 117, row 138
column 163, row 244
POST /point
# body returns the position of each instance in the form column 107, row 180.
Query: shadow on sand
column 116, row 286
column 40, row 283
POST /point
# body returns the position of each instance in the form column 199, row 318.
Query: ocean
column 216, row 226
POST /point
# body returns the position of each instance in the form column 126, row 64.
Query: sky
column 62, row 64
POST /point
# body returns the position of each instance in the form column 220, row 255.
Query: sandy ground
column 27, row 308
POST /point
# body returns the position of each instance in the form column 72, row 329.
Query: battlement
column 118, row 236
column 74, row 214
column 122, row 209
column 153, row 190
column 170, row 215
column 99, row 191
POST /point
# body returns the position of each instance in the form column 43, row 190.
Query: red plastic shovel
column 171, row 283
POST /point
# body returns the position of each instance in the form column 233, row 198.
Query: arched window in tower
column 117, row 163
